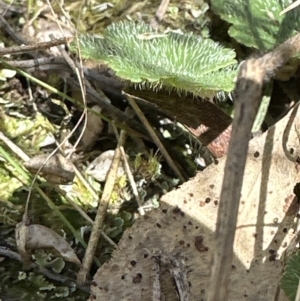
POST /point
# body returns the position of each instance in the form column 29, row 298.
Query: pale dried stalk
column 101, row 213
column 248, row 96
column 132, row 182
column 154, row 136
column 290, row 7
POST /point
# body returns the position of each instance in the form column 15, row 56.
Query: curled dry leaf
column 34, row 237
column 99, row 168
column 94, row 127
column 57, row 169
column 183, row 228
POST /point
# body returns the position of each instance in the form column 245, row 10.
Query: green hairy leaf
column 257, row 23
column 290, row 279
column 184, row 62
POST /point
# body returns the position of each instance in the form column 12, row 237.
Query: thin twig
column 132, row 182
column 290, row 7
column 101, row 213
column 84, row 215
column 14, row 148
column 154, row 136
column 36, row 47
column 248, row 96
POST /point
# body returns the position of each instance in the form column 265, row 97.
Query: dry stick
column 15, row 149
column 159, row 14
column 37, row 46
column 248, row 96
column 84, row 215
column 101, row 213
column 290, row 7
column 153, row 135
column 132, row 182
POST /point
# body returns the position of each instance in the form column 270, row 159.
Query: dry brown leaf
column 93, row 129
column 100, row 167
column 57, row 169
column 34, row 237
column 264, row 228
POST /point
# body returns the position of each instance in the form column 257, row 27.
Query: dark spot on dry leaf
column 233, row 266
column 177, row 211
column 158, row 225
column 284, row 245
column 245, row 296
column 284, row 230
column 184, row 201
column 256, row 154
column 211, row 186
column 203, row 291
column 207, row 200
column 272, row 232
column 291, row 151
column 248, row 271
column 199, row 244
column 216, row 202
column 190, row 223
column 270, row 192
column 254, row 235
column 191, row 195
column 94, row 283
column 123, row 277
column 93, row 297
column 197, row 227
column 190, row 284
column 146, row 255
column 164, row 211
column 243, row 202
column 133, row 262
column 216, row 162
column 184, row 227
column 188, row 245
column 275, row 241
column 138, row 278
column 273, row 255
column 202, row 204
column 181, row 242
column 129, row 236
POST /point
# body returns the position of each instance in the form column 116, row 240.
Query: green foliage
column 184, row 62
column 257, row 23
column 290, row 279
column 118, row 225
